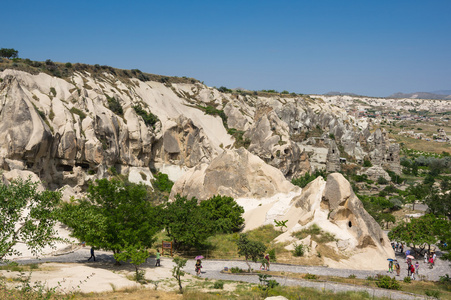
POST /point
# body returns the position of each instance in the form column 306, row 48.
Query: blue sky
column 372, row 48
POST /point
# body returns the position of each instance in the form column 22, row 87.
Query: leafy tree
column 224, row 213
column 9, row 53
column 439, row 204
column 26, row 215
column 387, row 218
column 190, row 224
column 185, row 223
column 422, row 232
column 251, row 250
column 114, row 216
column 177, row 272
column 302, row 181
column 417, row 192
column 137, row 256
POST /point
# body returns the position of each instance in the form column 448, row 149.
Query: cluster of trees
column 9, row 53
column 432, row 228
column 115, row 215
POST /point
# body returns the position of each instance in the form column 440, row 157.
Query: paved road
column 212, row 269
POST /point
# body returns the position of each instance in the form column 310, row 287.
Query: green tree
column 421, row 232
column 190, row 222
column 224, row 213
column 114, row 216
column 9, row 53
column 185, row 222
column 137, row 256
column 439, row 204
column 26, row 215
column 177, row 272
column 251, row 250
column 417, row 192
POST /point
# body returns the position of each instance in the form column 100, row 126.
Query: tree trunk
column 248, row 264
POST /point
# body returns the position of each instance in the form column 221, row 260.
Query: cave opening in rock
column 66, row 168
column 350, row 224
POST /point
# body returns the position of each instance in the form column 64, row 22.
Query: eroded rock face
column 347, row 212
column 234, row 173
column 184, row 144
column 60, row 128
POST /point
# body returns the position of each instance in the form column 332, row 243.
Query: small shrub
column 53, row 91
column 163, row 183
column 367, row 163
column 382, row 180
column 218, row 285
column 236, row 270
column 148, row 118
column 310, row 276
column 352, row 276
column 68, row 65
column 433, row 293
column 407, row 279
column 299, row 250
column 386, row 282
column 114, row 105
column 78, row 112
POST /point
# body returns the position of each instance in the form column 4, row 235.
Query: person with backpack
column 397, row 268
column 412, row 272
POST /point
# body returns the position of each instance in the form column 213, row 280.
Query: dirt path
column 75, row 268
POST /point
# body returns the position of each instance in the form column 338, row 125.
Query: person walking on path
column 157, row 263
column 434, row 256
column 92, row 254
column 390, row 266
column 267, row 262
column 417, row 267
column 425, row 257
column 412, row 272
column 198, row 266
column 397, row 268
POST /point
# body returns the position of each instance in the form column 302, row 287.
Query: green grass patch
column 317, row 234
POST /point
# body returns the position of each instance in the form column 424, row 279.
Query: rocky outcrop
column 183, row 144
column 333, row 207
column 234, row 173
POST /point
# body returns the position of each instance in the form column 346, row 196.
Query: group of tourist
column 397, row 247
column 412, row 269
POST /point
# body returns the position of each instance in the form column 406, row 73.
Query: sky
column 372, row 48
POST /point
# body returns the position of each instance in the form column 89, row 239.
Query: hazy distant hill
column 340, row 94
column 442, row 94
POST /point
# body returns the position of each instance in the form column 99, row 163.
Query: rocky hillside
column 89, row 123
column 74, row 129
